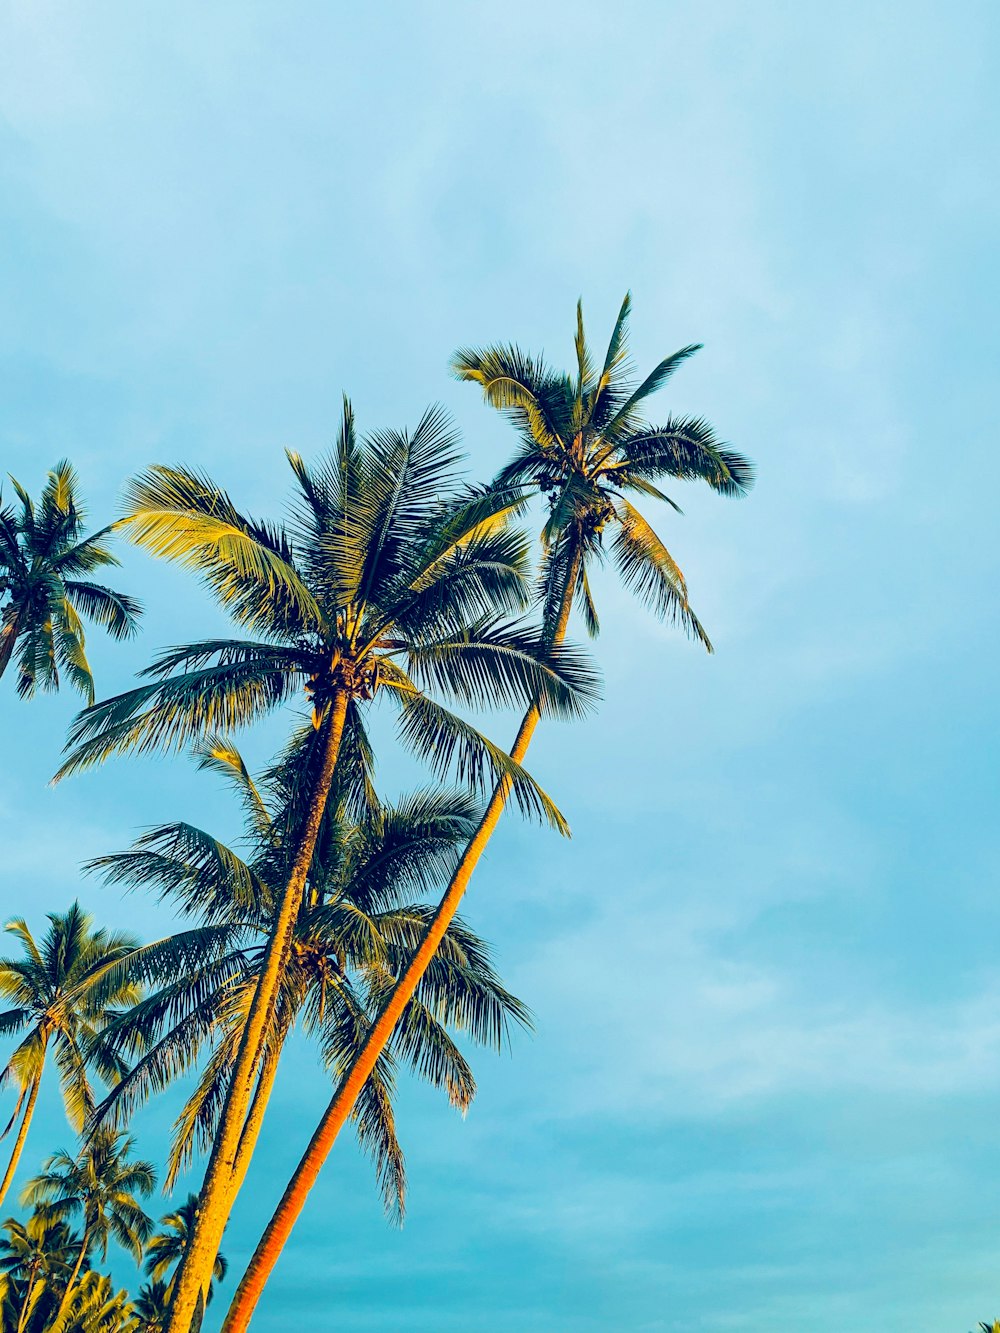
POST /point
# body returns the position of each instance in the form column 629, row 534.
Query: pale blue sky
column 763, row 1094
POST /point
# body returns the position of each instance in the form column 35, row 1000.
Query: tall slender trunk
column 255, row 1116
column 8, row 637
column 22, row 1134
column 218, row 1187
column 28, row 1291
column 337, row 1113
column 60, row 1318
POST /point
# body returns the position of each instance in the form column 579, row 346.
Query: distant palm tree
column 390, row 580
column 167, row 1247
column 150, row 1307
column 583, row 444
column 61, row 991
column 95, row 1307
column 44, row 558
column 102, row 1185
column 37, row 1255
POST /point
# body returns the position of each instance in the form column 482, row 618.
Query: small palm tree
column 583, row 444
column 102, row 1186
column 166, row 1248
column 389, row 581
column 44, row 591
column 61, row 991
column 150, row 1307
column 38, row 1256
column 95, row 1307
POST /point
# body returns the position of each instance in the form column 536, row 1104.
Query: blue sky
column 763, row 1090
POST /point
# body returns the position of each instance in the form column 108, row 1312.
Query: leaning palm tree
column 102, row 1185
column 355, row 929
column 582, row 443
column 45, row 560
column 61, row 990
column 390, row 580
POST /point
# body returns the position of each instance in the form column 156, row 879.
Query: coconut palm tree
column 61, row 990
column 44, row 589
column 166, row 1247
column 38, row 1257
column 102, row 1186
column 582, row 443
column 356, row 926
column 389, row 581
column 95, row 1307
column 150, row 1307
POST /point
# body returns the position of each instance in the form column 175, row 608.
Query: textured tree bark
column 22, row 1134
column 337, row 1113
column 219, row 1187
column 255, row 1116
column 59, row 1321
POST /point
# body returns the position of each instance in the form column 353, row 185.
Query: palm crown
column 166, row 1247
column 388, row 579
column 102, row 1185
column 582, row 442
column 44, row 589
column 61, row 989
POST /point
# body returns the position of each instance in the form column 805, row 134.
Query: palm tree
column 583, row 444
column 95, row 1307
column 38, row 1256
column 44, row 589
column 101, row 1185
column 166, row 1247
column 389, row 580
column 61, row 990
column 150, row 1306
column 355, row 928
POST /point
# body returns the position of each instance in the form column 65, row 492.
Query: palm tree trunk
column 60, row 1317
column 28, row 1290
column 22, row 1134
column 219, row 1186
column 8, row 637
column 337, row 1113
column 255, row 1117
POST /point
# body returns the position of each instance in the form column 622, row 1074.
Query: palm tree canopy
column 45, row 587
column 42, row 1245
column 389, row 579
column 102, row 1185
column 357, row 926
column 61, row 989
column 166, row 1247
column 583, row 443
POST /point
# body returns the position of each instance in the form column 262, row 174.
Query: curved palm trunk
column 337, row 1113
column 220, row 1184
column 22, row 1134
